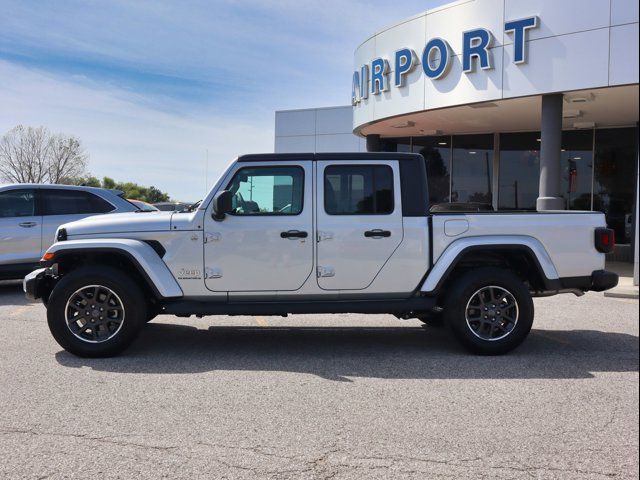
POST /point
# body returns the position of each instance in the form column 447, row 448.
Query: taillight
column 605, row 240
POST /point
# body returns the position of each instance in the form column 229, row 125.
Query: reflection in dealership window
column 437, row 154
column 519, row 171
column 614, row 179
column 577, row 163
column 472, row 169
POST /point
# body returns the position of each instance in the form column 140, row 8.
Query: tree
column 131, row 190
column 34, row 155
column 154, row 195
column 139, row 192
column 67, row 158
column 108, row 183
column 23, row 153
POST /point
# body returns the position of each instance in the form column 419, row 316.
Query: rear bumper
column 34, row 283
column 602, row 280
column 598, row 281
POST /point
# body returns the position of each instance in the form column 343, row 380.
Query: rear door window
column 358, row 190
column 17, row 203
column 72, row 202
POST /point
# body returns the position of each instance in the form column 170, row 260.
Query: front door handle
column 294, row 234
column 27, row 224
column 377, row 233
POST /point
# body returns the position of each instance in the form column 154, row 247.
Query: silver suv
column 31, row 213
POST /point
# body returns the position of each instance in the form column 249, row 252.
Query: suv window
column 17, row 203
column 358, row 190
column 267, row 191
column 72, row 202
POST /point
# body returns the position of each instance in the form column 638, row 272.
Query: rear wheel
column 96, row 311
column 489, row 310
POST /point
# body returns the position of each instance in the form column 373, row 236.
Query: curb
column 622, row 293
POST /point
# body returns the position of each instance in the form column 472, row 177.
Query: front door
column 266, row 243
column 359, row 216
column 20, row 227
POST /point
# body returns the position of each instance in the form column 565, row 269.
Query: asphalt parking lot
column 319, row 397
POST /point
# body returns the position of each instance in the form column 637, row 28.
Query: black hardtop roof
column 373, row 156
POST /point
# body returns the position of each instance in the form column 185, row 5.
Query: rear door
column 266, row 243
column 20, row 227
column 60, row 206
column 359, row 218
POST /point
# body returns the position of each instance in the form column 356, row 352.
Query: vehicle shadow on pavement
column 11, row 293
column 340, row 354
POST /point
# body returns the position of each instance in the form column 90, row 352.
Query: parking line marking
column 262, row 321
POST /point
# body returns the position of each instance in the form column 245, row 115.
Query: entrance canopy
column 584, row 109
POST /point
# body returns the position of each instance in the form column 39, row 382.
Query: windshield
column 142, row 206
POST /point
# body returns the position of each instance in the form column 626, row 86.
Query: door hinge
column 324, row 236
column 212, row 237
column 326, row 272
column 212, row 273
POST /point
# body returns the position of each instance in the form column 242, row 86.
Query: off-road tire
column 460, row 295
column 128, row 293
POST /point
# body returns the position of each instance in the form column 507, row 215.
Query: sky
column 150, row 87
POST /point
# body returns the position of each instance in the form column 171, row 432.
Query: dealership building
column 517, row 104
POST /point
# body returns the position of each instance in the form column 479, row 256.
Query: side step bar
column 398, row 306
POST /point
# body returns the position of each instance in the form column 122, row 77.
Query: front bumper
column 34, row 283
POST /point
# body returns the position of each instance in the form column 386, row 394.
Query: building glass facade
column 519, row 169
column 598, row 170
column 472, row 169
column 577, row 169
column 437, row 154
column 614, row 188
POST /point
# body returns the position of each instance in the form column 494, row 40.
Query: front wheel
column 96, row 311
column 489, row 310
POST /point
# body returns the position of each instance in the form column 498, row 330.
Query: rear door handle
column 294, row 234
column 27, row 224
column 377, row 233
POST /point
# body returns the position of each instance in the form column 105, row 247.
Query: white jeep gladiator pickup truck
column 317, row 233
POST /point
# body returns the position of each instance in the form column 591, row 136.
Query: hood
column 120, row 222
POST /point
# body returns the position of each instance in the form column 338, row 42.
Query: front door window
column 267, row 191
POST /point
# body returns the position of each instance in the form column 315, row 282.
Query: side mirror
column 222, row 204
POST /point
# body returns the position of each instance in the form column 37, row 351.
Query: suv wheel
column 96, row 311
column 490, row 310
